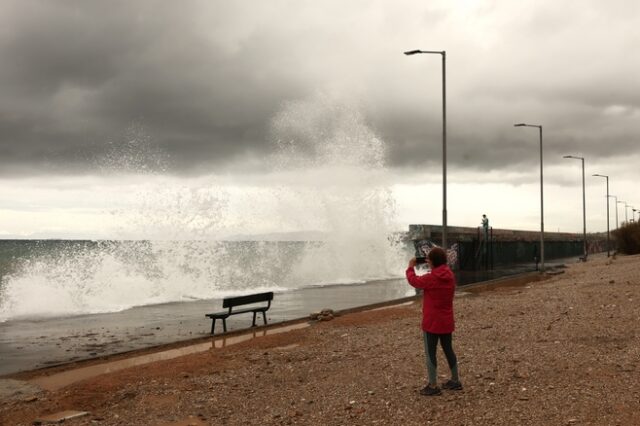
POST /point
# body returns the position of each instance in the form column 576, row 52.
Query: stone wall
column 461, row 233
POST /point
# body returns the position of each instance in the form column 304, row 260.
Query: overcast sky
column 191, row 88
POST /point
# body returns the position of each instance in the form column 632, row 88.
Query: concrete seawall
column 463, row 233
column 504, row 247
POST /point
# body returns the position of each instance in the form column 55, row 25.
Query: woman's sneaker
column 452, row 385
column 430, row 391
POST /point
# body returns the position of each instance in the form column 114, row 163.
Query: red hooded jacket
column 437, row 304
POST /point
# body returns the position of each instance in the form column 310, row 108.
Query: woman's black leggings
column 430, row 346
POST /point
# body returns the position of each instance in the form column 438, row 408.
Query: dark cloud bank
column 77, row 76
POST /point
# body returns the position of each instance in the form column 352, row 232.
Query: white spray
column 171, row 244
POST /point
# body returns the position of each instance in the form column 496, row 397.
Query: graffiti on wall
column 423, row 247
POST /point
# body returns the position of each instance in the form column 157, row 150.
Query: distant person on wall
column 485, row 224
column 438, row 288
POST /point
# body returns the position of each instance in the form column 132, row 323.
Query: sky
column 112, row 112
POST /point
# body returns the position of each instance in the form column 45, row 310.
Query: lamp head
column 412, row 52
column 519, row 125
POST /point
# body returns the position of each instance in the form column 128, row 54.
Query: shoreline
column 43, row 343
column 61, row 375
column 489, row 285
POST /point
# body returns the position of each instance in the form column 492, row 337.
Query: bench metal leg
column 222, row 317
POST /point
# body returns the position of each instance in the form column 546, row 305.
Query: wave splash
column 327, row 176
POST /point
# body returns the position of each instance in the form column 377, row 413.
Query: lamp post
column 616, row 204
column 616, row 199
column 444, row 136
column 607, row 178
column 584, row 207
column 633, row 215
column 626, row 219
column 541, row 196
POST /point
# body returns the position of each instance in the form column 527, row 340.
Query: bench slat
column 240, row 311
column 230, row 302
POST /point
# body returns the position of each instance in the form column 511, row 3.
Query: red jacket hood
column 443, row 273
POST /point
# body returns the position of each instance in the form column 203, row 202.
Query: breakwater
column 474, row 249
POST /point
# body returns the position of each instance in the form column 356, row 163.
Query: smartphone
column 421, row 260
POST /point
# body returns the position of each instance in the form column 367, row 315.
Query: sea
column 54, row 278
column 63, row 300
column 175, row 246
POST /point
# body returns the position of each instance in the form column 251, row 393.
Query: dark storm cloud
column 204, row 79
column 569, row 69
column 77, row 75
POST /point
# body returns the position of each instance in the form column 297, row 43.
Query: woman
column 438, row 288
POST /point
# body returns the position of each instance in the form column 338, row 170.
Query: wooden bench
column 232, row 302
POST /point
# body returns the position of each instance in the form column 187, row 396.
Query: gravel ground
column 562, row 351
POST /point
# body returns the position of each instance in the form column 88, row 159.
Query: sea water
column 205, row 237
column 50, row 278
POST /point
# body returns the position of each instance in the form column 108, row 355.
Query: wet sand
column 559, row 351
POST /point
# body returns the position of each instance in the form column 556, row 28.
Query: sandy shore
column 561, row 351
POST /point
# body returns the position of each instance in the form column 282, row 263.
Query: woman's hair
column 437, row 256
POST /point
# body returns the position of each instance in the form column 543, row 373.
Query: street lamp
column 626, row 219
column 584, row 207
column 444, row 136
column 615, row 198
column 606, row 177
column 541, row 196
column 633, row 215
column 626, row 206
